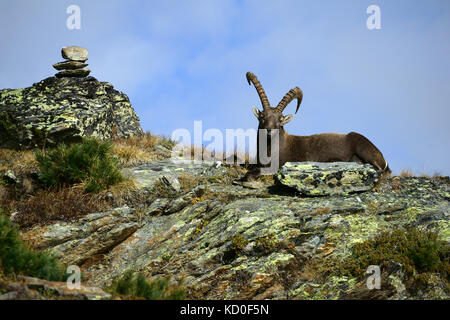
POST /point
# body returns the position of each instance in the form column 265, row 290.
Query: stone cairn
column 74, row 64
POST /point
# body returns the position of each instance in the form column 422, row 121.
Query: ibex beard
column 325, row 147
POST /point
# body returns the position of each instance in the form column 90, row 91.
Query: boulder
column 58, row 110
column 323, row 179
column 74, row 53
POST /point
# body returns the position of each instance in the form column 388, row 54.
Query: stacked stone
column 74, row 66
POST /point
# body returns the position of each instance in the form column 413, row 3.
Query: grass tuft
column 131, row 286
column 63, row 204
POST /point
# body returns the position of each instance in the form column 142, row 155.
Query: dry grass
column 142, row 149
column 409, row 173
column 205, row 154
column 129, row 156
column 123, row 188
column 137, row 150
column 406, row 173
column 434, row 175
column 64, row 204
column 322, row 210
column 266, row 179
column 189, row 182
column 10, row 193
column 21, row 162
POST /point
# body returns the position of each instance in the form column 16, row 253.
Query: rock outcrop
column 230, row 242
column 64, row 109
column 93, row 234
column 323, row 179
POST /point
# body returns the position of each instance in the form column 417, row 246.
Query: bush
column 418, row 251
column 137, row 286
column 89, row 162
column 17, row 258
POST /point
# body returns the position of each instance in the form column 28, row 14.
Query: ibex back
column 325, row 147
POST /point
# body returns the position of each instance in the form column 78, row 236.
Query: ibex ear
column 287, row 118
column 256, row 112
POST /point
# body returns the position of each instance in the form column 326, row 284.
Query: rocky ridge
column 231, row 242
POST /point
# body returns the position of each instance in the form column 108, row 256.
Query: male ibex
column 325, row 147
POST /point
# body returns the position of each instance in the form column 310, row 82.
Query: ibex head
column 273, row 118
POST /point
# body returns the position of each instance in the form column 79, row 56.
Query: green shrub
column 418, row 251
column 17, row 258
column 137, row 286
column 89, row 162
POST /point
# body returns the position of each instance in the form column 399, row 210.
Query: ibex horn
column 251, row 78
column 295, row 93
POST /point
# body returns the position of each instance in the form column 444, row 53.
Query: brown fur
column 330, row 147
column 324, row 147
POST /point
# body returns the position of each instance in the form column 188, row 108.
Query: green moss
column 267, row 243
column 238, row 243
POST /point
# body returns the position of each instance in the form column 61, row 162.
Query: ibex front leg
column 268, row 153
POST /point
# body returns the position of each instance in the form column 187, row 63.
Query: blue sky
column 181, row 61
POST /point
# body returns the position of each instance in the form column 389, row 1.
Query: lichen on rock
column 323, row 179
column 231, row 242
column 57, row 110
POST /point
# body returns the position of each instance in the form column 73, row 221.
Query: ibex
column 325, row 147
